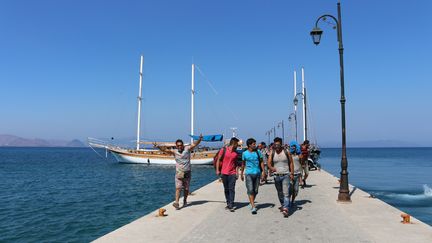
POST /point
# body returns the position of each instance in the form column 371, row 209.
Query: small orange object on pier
column 406, row 218
column 162, row 212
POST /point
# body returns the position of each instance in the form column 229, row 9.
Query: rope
column 207, row 80
column 216, row 92
column 105, row 158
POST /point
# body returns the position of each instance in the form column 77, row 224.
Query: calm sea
column 73, row 195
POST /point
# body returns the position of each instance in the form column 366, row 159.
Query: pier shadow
column 352, row 191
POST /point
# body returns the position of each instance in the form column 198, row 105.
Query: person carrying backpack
column 281, row 164
column 296, row 158
column 304, row 161
column 226, row 167
column 252, row 161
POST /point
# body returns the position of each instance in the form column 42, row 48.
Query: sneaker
column 254, row 211
column 231, row 209
column 176, row 206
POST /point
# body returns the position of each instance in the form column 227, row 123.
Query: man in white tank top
column 280, row 163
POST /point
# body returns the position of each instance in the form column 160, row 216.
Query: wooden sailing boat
column 154, row 156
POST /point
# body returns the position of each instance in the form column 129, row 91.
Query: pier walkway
column 318, row 218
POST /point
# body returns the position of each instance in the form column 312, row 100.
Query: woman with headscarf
column 296, row 158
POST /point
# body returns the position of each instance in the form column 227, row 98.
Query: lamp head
column 316, row 35
column 295, row 101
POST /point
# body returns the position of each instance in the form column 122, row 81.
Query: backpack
column 215, row 158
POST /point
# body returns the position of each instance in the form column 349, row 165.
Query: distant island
column 373, row 144
column 15, row 141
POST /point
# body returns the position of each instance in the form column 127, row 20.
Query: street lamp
column 293, row 116
column 281, row 124
column 268, row 133
column 316, row 33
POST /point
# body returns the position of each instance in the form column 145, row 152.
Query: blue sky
column 69, row 69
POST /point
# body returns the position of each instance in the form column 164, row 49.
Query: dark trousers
column 229, row 182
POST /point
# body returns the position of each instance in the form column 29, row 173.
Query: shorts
column 183, row 182
column 305, row 168
column 252, row 183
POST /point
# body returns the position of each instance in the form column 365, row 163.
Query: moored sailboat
column 153, row 156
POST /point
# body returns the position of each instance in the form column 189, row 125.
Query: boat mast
column 192, row 101
column 304, row 107
column 139, row 103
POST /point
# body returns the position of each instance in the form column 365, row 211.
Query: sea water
column 402, row 177
column 75, row 195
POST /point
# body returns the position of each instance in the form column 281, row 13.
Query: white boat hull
column 128, row 157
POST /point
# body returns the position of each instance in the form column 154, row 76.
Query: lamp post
column 293, row 116
column 274, row 132
column 295, row 101
column 268, row 133
column 281, row 124
column 316, row 33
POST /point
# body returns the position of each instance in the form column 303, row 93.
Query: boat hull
column 146, row 157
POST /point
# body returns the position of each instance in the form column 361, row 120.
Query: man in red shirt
column 226, row 166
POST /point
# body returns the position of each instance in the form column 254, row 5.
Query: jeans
column 282, row 184
column 229, row 182
column 252, row 183
column 294, row 185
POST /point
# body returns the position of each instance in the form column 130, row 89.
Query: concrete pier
column 318, row 218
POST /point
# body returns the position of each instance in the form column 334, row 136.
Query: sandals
column 285, row 212
column 176, row 206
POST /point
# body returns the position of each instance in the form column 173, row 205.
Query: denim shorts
column 252, row 183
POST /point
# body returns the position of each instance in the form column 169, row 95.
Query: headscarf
column 297, row 149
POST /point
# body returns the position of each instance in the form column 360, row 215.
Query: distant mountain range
column 373, row 144
column 15, row 141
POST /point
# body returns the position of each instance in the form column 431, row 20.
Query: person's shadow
column 309, row 186
column 239, row 205
column 199, row 202
column 297, row 206
column 265, row 205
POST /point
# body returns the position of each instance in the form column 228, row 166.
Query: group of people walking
column 288, row 165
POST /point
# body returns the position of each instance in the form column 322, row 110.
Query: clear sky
column 69, row 69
